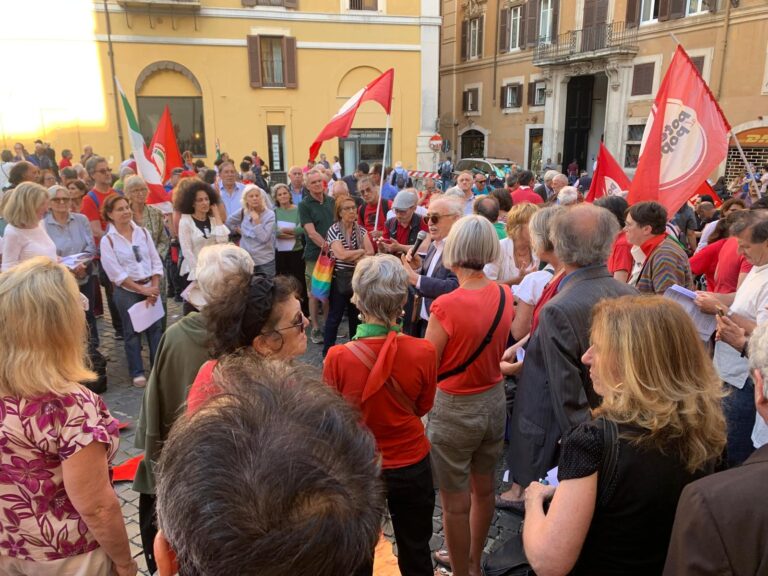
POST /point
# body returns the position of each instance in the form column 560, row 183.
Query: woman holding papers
column 72, row 235
column 25, row 235
column 132, row 264
column 660, row 426
column 290, row 239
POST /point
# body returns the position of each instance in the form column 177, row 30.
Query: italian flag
column 146, row 168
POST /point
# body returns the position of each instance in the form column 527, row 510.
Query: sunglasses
column 481, row 181
column 136, row 253
column 299, row 323
column 433, row 218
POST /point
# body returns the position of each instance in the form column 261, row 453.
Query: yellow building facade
column 544, row 81
column 246, row 75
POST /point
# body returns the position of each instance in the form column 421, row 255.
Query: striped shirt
column 354, row 243
column 665, row 266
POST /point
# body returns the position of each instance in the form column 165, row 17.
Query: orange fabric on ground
column 384, row 561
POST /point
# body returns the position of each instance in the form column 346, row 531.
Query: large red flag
column 685, row 139
column 163, row 150
column 379, row 90
column 706, row 190
column 609, row 178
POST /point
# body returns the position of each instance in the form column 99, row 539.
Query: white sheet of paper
column 285, row 244
column 705, row 324
column 143, row 316
column 74, row 260
column 520, row 354
column 506, row 476
column 552, row 477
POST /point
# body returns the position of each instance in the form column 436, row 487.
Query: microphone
column 419, row 239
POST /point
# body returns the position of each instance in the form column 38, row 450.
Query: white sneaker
column 140, row 381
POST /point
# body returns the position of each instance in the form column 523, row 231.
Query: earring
column 361, row 317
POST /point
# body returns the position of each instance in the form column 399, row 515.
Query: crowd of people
column 618, row 352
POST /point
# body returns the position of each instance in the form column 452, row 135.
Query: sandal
column 441, row 557
column 516, row 506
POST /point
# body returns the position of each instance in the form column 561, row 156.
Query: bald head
column 583, row 235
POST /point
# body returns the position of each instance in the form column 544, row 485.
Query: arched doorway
column 472, row 144
column 170, row 84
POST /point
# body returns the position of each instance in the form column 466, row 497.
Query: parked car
column 495, row 168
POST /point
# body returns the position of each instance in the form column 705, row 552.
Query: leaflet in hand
column 144, row 315
column 285, row 244
column 75, row 260
column 705, row 324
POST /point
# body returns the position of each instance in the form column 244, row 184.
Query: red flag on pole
column 685, row 139
column 379, row 90
column 163, row 150
column 706, row 189
column 609, row 178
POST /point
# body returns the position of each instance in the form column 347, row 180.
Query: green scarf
column 374, row 330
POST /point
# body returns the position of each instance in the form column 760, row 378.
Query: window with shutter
column 363, row 5
column 531, row 93
column 474, row 45
column 634, row 139
column 531, row 23
column 289, row 62
column 480, row 25
column 514, row 27
column 649, row 10
column 272, row 61
column 699, row 6
column 642, row 79
column 504, row 31
column 677, row 9
column 464, row 39
column 474, row 100
column 664, row 10
column 545, row 21
column 511, row 96
column 633, row 13
column 465, row 101
column 284, row 3
column 254, row 61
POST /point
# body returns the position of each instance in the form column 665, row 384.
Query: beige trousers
column 95, row 563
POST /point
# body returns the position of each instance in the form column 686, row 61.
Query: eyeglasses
column 61, row 200
column 299, row 323
column 480, row 181
column 365, row 190
column 136, row 253
column 347, row 208
column 434, row 218
column 103, row 171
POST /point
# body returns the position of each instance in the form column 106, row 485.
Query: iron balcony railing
column 587, row 43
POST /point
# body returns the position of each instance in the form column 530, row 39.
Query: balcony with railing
column 162, row 4
column 598, row 41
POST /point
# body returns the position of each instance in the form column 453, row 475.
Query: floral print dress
column 37, row 520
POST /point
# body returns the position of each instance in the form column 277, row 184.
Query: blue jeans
column 124, row 300
column 739, row 410
column 337, row 304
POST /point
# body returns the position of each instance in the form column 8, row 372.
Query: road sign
column 436, row 142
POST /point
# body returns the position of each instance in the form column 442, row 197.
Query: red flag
column 706, row 189
column 163, row 150
column 379, row 90
column 609, row 178
column 685, row 139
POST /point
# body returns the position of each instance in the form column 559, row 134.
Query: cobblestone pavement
column 124, row 402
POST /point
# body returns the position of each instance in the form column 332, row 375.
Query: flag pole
column 381, row 179
column 751, row 173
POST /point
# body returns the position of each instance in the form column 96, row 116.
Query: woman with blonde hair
column 516, row 255
column 255, row 222
column 660, row 426
column 25, row 235
column 60, row 513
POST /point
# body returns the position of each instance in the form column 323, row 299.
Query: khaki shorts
column 467, row 436
column 94, row 563
column 309, row 267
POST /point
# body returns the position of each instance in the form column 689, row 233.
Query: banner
column 685, row 139
column 163, row 150
column 379, row 90
column 146, row 169
column 608, row 179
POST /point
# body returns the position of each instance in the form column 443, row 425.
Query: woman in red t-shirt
column 466, row 425
column 391, row 378
column 620, row 261
column 264, row 318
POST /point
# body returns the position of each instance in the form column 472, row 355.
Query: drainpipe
column 723, row 48
column 111, row 55
column 494, row 92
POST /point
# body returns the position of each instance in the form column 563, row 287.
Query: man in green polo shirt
column 316, row 216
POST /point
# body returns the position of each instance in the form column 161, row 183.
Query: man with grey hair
column 545, row 189
column 555, row 390
column 705, row 538
column 559, row 181
column 568, row 196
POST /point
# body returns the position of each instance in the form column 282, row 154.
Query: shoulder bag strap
column 483, row 344
column 92, row 196
column 609, row 462
column 368, row 357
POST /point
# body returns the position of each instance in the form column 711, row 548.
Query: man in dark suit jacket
column 721, row 526
column 431, row 279
column 554, row 390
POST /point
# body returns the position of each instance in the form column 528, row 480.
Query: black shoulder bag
column 483, row 344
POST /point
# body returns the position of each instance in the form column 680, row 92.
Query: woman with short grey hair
column 221, row 269
column 390, row 377
column 466, row 426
